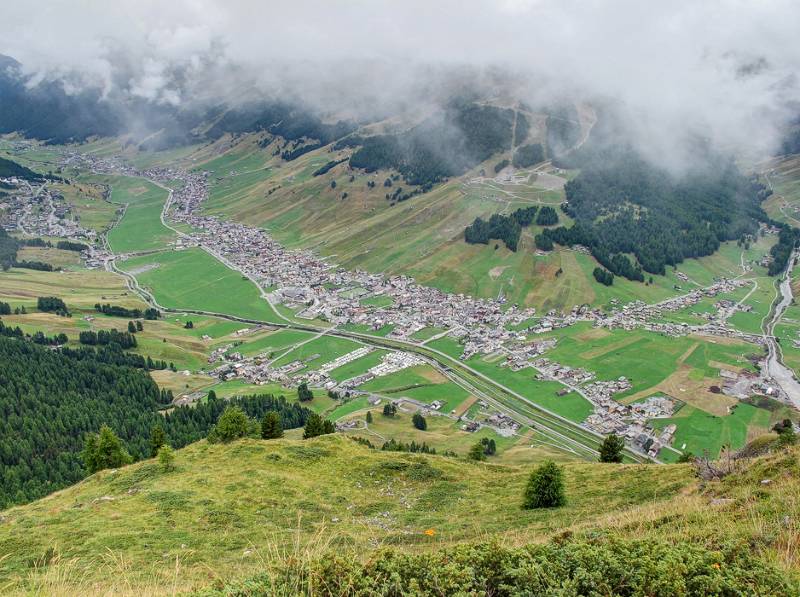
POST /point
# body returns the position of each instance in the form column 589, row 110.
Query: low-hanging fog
column 721, row 69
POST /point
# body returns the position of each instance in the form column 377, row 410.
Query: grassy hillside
column 228, row 511
column 355, row 224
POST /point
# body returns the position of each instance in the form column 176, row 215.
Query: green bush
column 233, row 423
column 599, row 567
column 545, row 488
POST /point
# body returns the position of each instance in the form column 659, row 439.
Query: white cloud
column 675, row 65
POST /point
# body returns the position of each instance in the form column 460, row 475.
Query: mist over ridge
column 724, row 71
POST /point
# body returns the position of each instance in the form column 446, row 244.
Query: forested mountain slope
column 623, row 204
column 50, row 399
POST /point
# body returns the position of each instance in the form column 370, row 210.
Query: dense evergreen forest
column 521, row 129
column 500, row 227
column 463, row 136
column 51, row 398
column 280, row 118
column 624, row 205
column 528, row 155
column 8, row 250
column 10, row 169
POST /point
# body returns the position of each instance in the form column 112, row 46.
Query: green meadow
column 140, row 228
column 193, row 279
column 702, row 433
column 318, row 351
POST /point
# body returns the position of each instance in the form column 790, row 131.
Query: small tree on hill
column 303, row 393
column 369, row 416
column 271, row 427
column 232, row 424
column 157, row 439
column 489, row 446
column 316, row 426
column 131, row 327
column 189, row 325
column 139, row 326
column 212, row 395
column 787, row 437
column 104, row 450
column 476, row 452
column 545, row 488
column 419, row 422
column 166, row 458
column 389, row 410
column 611, row 448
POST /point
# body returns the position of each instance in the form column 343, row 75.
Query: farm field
column 318, row 351
column 358, row 366
column 443, row 434
column 423, row 383
column 193, row 279
column 55, row 257
column 89, row 206
column 270, row 342
column 165, row 339
column 80, row 289
column 645, row 358
column 140, row 228
column 700, row 432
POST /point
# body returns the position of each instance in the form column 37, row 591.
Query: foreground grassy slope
column 228, row 511
column 225, row 509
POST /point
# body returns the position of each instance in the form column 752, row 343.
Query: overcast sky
column 724, row 67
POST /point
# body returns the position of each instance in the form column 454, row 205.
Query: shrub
column 419, row 422
column 608, row 566
column 166, row 458
column 545, row 488
column 316, row 426
column 232, row 424
column 477, row 452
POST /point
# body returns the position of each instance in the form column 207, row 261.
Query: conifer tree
column 303, row 393
column 545, row 488
column 477, row 452
column 104, row 450
column 611, row 448
column 313, row 426
column 271, row 427
column 157, row 439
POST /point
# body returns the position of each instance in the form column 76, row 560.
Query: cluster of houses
column 37, row 210
column 262, row 369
